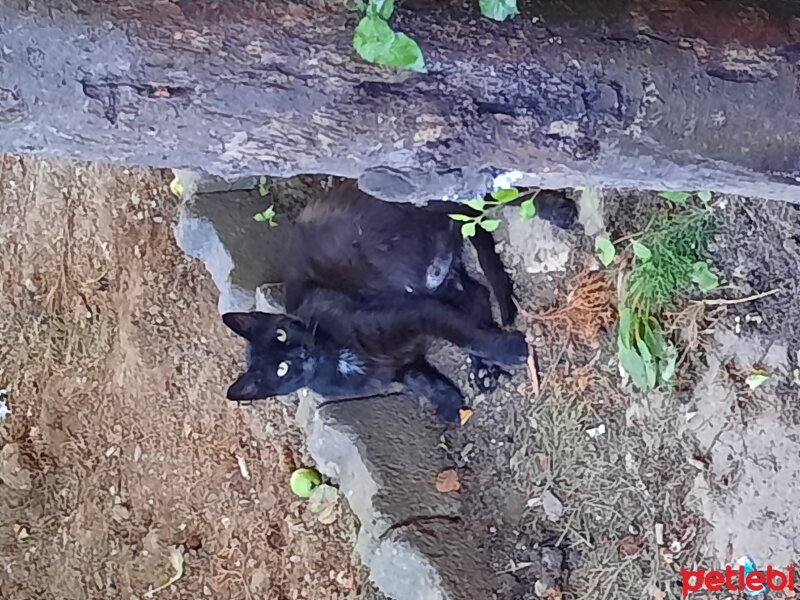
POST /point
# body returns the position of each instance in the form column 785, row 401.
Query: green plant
column 263, row 186
column 527, row 210
column 605, row 250
column 266, row 216
column 644, row 352
column 376, row 41
column 499, row 10
column 668, row 259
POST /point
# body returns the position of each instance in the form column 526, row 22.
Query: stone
column 543, row 247
column 590, row 211
column 197, row 182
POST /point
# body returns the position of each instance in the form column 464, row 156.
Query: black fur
column 368, row 285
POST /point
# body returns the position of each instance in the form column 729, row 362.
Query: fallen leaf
column 756, row 379
column 176, row 560
column 465, row 414
column 327, row 515
column 630, row 545
column 323, row 502
column 12, row 473
column 447, row 481
column 596, row 432
column 21, row 532
column 533, row 372
column 658, row 593
column 552, row 506
column 176, row 187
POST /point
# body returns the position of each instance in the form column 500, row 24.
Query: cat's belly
column 437, row 271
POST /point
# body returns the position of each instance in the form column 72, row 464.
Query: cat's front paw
column 512, row 349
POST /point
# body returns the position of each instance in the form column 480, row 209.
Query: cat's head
column 280, row 357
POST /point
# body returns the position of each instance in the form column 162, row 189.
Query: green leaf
column 468, row 229
column 653, row 337
column 703, row 276
column 490, row 224
column 505, row 196
column 676, row 197
column 649, row 364
column 527, row 209
column 263, row 186
column 667, row 363
column 176, row 187
column 633, row 365
column 625, row 327
column 476, row 204
column 499, row 10
column 460, row 217
column 756, row 379
column 704, row 196
column 382, row 8
column 641, row 251
column 266, row 215
column 605, row 250
column 377, row 43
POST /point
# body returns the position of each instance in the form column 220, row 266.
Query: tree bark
column 661, row 94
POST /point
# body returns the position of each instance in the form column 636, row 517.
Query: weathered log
column 680, row 94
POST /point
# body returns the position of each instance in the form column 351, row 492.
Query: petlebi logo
column 744, row 576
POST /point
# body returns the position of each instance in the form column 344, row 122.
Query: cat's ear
column 249, row 386
column 249, row 324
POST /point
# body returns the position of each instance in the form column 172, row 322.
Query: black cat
column 368, row 285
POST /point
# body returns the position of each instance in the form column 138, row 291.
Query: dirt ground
column 697, row 463
column 120, row 448
column 116, row 364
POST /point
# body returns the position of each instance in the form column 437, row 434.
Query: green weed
column 266, row 216
column 669, row 259
column 527, row 210
column 377, row 42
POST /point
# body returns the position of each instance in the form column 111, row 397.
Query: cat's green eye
column 283, row 369
column 281, row 336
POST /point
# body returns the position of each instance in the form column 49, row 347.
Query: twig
column 553, row 366
column 632, row 236
column 533, row 372
column 728, row 302
column 515, row 567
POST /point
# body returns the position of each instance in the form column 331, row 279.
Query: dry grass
column 588, row 308
column 117, row 362
column 615, row 487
